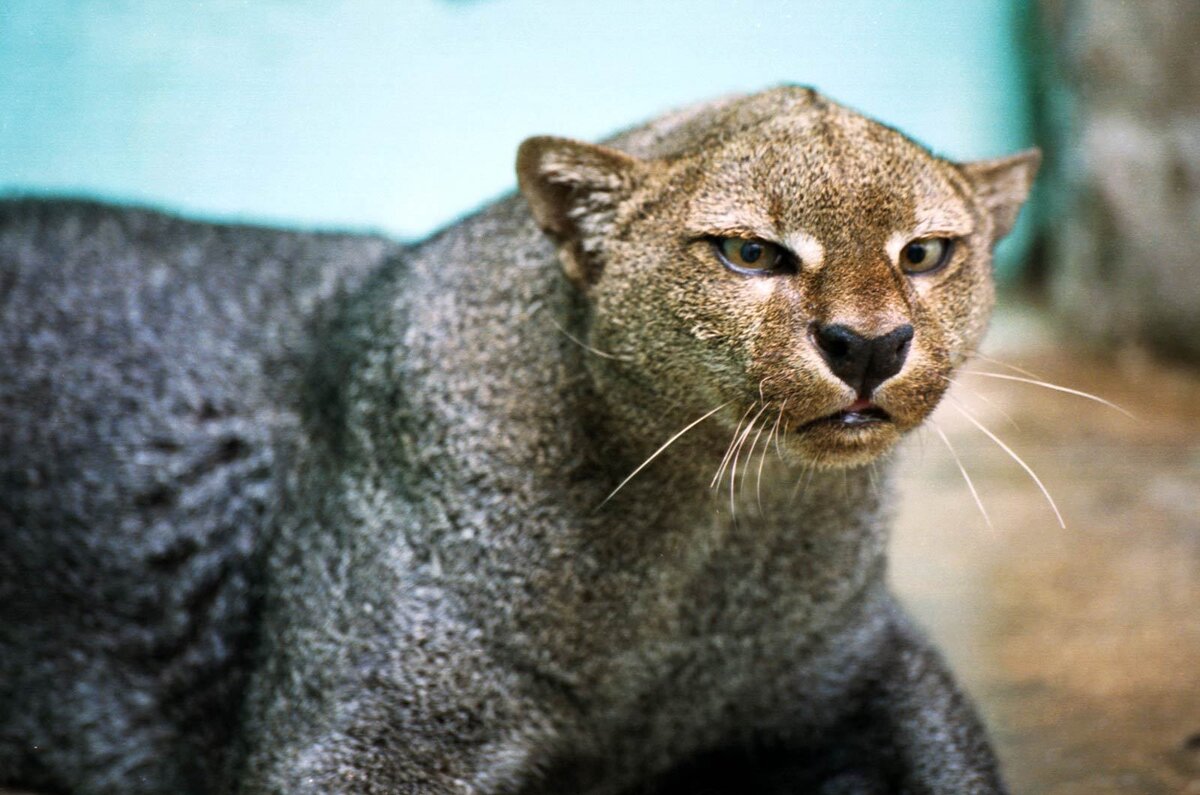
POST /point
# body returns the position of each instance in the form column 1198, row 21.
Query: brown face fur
column 843, row 195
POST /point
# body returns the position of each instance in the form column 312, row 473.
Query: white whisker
column 762, row 459
column 750, row 455
column 659, row 451
column 978, row 396
column 716, row 481
column 921, row 442
column 737, row 453
column 782, row 409
column 1012, row 367
column 963, row 470
column 1014, row 457
column 1055, row 387
column 585, row 346
column 805, row 478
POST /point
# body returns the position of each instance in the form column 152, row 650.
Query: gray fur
column 147, row 378
column 386, row 464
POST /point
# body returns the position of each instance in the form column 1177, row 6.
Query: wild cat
column 287, row 512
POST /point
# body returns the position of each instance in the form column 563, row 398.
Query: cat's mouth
column 852, row 436
column 851, row 431
column 859, row 413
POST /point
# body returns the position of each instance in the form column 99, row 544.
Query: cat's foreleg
column 937, row 742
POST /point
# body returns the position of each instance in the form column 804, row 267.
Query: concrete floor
column 1081, row 645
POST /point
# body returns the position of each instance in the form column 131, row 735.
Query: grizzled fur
column 147, row 378
column 395, row 468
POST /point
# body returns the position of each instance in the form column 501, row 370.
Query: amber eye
column 750, row 255
column 925, row 254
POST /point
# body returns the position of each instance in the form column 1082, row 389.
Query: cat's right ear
column 574, row 190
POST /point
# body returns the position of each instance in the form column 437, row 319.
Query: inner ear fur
column 574, row 190
column 1002, row 186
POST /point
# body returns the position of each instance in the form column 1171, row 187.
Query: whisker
column 659, row 451
column 585, row 346
column 733, row 469
column 805, row 478
column 750, row 455
column 979, row 396
column 762, row 459
column 716, row 481
column 728, row 456
column 782, row 408
column 1014, row 457
column 963, row 470
column 1055, row 387
column 1012, row 367
column 758, row 489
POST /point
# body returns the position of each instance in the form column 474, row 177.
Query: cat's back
column 146, row 371
column 126, row 331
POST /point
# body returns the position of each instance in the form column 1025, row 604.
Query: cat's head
column 782, row 255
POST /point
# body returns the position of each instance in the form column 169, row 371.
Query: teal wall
column 400, row 114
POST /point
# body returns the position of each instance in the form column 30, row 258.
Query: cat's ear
column 1002, row 185
column 574, row 190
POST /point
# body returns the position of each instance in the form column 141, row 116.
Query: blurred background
column 1080, row 643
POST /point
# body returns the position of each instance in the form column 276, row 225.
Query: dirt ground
column 1081, row 645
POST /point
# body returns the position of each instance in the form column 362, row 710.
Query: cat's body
column 148, row 370
column 411, row 452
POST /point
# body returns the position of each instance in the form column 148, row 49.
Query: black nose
column 863, row 362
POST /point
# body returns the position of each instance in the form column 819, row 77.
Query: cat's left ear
column 1002, row 185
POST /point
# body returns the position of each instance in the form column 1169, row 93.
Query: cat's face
column 816, row 271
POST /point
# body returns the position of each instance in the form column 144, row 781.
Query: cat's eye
column 925, row 254
column 751, row 255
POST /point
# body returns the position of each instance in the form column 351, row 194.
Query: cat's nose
column 863, row 362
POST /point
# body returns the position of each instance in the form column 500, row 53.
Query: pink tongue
column 860, row 405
